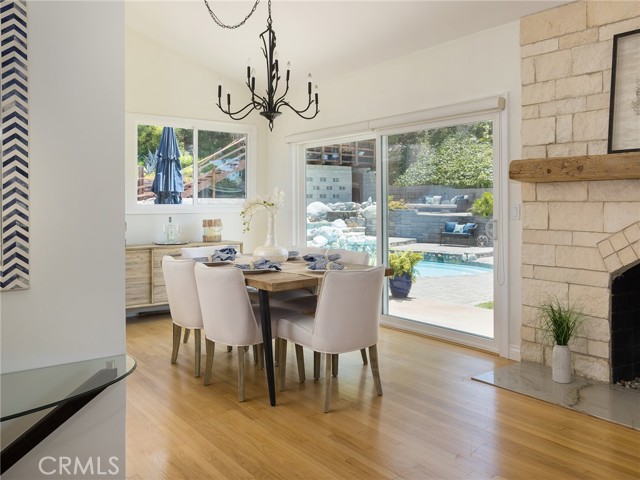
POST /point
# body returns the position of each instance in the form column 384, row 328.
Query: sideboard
column 144, row 282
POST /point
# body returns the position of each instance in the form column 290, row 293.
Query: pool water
column 439, row 269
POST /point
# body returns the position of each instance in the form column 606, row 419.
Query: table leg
column 265, row 317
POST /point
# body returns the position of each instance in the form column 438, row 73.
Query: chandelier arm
column 300, row 112
column 281, row 98
column 250, row 105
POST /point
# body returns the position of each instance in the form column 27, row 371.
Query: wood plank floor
column 433, row 421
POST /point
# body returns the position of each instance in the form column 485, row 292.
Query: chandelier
column 270, row 105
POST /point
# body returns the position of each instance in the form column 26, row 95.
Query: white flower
column 271, row 203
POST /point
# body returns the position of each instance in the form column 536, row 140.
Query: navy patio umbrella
column 168, row 184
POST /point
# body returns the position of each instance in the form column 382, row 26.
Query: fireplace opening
column 625, row 326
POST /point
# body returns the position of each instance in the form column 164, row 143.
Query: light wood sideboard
column 144, row 282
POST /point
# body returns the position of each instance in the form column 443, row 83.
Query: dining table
column 294, row 274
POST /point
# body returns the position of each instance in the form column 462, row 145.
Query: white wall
column 74, row 309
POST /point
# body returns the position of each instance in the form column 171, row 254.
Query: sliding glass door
column 435, row 191
column 438, row 184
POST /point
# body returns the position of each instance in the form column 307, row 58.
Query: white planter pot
column 561, row 364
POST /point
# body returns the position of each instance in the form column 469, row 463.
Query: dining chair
column 303, row 302
column 347, row 318
column 228, row 316
column 184, row 307
column 196, row 252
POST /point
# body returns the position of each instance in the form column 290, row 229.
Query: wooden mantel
column 617, row 166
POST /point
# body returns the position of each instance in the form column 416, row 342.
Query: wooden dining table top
column 294, row 274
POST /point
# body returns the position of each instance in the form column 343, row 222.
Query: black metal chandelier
column 270, row 105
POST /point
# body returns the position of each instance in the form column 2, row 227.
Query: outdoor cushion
column 458, row 229
column 468, row 227
column 449, row 226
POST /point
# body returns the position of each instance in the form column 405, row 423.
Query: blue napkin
column 260, row 264
column 314, row 257
column 323, row 264
column 227, row 254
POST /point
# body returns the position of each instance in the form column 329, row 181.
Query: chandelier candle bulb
column 219, row 90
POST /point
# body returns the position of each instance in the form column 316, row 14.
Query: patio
column 450, row 301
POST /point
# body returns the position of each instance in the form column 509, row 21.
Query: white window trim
column 230, row 205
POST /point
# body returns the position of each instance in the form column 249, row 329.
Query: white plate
column 325, row 270
column 257, row 270
column 217, row 262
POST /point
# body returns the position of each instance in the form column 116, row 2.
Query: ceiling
column 327, row 38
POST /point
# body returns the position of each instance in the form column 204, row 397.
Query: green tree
column 463, row 158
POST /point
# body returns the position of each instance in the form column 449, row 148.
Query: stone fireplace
column 580, row 206
column 578, row 238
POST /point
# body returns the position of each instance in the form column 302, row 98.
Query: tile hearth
column 606, row 401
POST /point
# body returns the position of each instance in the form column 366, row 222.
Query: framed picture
column 624, row 109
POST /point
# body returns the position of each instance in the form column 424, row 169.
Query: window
column 212, row 168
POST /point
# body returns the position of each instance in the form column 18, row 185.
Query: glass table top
column 28, row 391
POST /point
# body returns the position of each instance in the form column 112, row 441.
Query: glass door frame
column 490, row 108
column 499, row 342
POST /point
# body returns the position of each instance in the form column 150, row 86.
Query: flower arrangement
column 271, row 203
column 405, row 262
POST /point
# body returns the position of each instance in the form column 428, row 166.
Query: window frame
column 222, row 205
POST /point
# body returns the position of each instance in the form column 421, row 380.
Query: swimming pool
column 440, row 269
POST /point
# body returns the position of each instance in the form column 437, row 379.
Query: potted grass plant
column 559, row 323
column 403, row 264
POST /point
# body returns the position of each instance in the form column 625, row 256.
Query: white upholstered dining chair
column 346, row 319
column 228, row 316
column 182, row 294
column 301, row 301
column 196, row 252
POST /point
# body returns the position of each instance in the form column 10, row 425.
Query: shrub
column 483, row 205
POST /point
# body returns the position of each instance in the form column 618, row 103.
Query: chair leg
column 363, row 352
column 186, row 335
column 260, row 353
column 241, row 351
column 300, row 360
column 316, row 365
column 281, row 343
column 177, row 330
column 210, row 348
column 327, row 381
column 198, row 349
column 255, row 354
column 334, row 364
column 375, row 371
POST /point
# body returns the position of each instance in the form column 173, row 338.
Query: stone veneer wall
column 576, row 234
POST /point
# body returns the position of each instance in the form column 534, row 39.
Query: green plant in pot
column 559, row 323
column 403, row 264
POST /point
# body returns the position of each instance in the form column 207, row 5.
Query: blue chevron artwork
column 14, row 251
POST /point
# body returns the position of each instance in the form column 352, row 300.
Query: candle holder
column 212, row 229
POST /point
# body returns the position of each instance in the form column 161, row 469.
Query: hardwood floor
column 433, row 421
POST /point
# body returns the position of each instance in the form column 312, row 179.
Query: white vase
column 270, row 250
column 561, row 364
